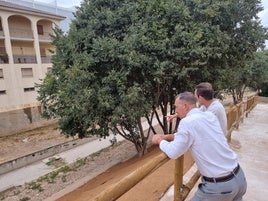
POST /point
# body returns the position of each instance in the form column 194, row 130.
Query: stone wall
column 22, row 119
column 39, row 155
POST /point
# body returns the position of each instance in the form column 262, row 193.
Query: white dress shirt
column 217, row 108
column 200, row 132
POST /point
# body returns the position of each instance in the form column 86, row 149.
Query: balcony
column 46, row 59
column 21, row 34
column 2, row 34
column 24, row 59
column 45, row 37
column 3, row 58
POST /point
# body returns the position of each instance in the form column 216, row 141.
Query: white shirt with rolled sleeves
column 217, row 108
column 200, row 132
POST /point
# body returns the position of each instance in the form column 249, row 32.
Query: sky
column 264, row 17
column 61, row 3
column 264, row 14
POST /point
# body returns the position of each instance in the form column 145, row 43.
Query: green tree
column 115, row 65
column 259, row 70
column 123, row 61
column 247, row 35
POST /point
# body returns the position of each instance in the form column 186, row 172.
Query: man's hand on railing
column 157, row 138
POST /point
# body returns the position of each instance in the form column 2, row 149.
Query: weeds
column 25, row 199
column 64, row 179
column 35, row 186
column 56, row 163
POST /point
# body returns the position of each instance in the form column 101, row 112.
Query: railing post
column 178, row 178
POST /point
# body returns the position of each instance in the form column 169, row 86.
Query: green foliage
column 25, row 199
column 35, row 186
column 124, row 60
column 245, row 35
column 259, row 69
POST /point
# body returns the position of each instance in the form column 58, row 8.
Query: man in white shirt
column 205, row 96
column 200, row 132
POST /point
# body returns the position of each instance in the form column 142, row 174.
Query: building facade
column 25, row 53
column 25, row 58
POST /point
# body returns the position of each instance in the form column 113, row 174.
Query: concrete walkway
column 250, row 142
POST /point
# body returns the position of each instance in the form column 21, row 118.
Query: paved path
column 250, row 142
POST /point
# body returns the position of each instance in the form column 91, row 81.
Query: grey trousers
column 232, row 190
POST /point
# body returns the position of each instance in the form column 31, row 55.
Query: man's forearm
column 158, row 138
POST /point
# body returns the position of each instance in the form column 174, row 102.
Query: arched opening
column 22, row 40
column 45, row 30
column 3, row 53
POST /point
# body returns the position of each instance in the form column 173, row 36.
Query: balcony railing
column 3, row 58
column 45, row 36
column 21, row 33
column 24, row 58
column 2, row 34
column 46, row 59
column 24, row 33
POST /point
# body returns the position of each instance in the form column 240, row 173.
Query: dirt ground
column 29, row 142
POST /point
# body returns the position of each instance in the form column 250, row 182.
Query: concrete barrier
column 23, row 118
column 39, row 155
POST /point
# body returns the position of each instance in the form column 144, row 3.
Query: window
column 2, row 50
column 40, row 30
column 3, row 92
column 29, row 89
column 1, row 28
column 43, row 52
column 27, row 72
column 1, row 74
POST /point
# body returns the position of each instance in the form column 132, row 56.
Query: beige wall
column 25, row 49
column 19, row 22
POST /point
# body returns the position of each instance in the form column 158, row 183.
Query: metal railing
column 4, row 58
column 24, row 59
column 27, row 33
column 45, row 36
column 2, row 34
column 46, row 59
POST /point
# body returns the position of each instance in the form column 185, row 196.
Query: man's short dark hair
column 205, row 90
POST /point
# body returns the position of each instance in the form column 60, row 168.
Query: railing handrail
column 21, row 33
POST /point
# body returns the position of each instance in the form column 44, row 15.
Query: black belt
column 223, row 179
